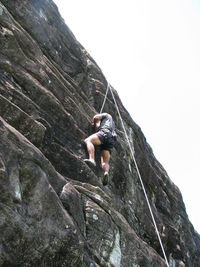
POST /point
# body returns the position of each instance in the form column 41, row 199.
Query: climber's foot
column 105, row 178
column 90, row 163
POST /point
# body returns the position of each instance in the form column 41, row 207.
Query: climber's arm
column 97, row 119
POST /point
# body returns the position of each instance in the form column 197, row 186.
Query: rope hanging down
column 138, row 172
column 104, row 101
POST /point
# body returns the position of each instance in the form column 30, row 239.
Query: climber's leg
column 105, row 158
column 90, row 142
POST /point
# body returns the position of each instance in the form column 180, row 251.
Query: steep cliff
column 54, row 210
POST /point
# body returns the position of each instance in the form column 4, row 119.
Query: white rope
column 139, row 175
column 104, row 101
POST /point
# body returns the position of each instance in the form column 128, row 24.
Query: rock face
column 54, row 210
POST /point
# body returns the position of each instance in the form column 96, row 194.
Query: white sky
column 150, row 52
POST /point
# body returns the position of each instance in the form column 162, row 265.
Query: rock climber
column 105, row 137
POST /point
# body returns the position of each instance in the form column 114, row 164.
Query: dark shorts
column 107, row 139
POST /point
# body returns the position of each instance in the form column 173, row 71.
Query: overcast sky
column 150, row 52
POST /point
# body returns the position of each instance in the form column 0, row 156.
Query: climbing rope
column 138, row 172
column 104, row 101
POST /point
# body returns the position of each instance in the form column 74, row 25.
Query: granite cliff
column 54, row 210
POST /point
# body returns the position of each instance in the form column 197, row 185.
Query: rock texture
column 54, row 210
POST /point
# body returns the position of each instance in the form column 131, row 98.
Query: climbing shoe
column 105, row 178
column 90, row 162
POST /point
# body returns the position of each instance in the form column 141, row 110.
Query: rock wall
column 54, row 210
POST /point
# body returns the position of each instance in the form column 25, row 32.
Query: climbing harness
column 137, row 169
